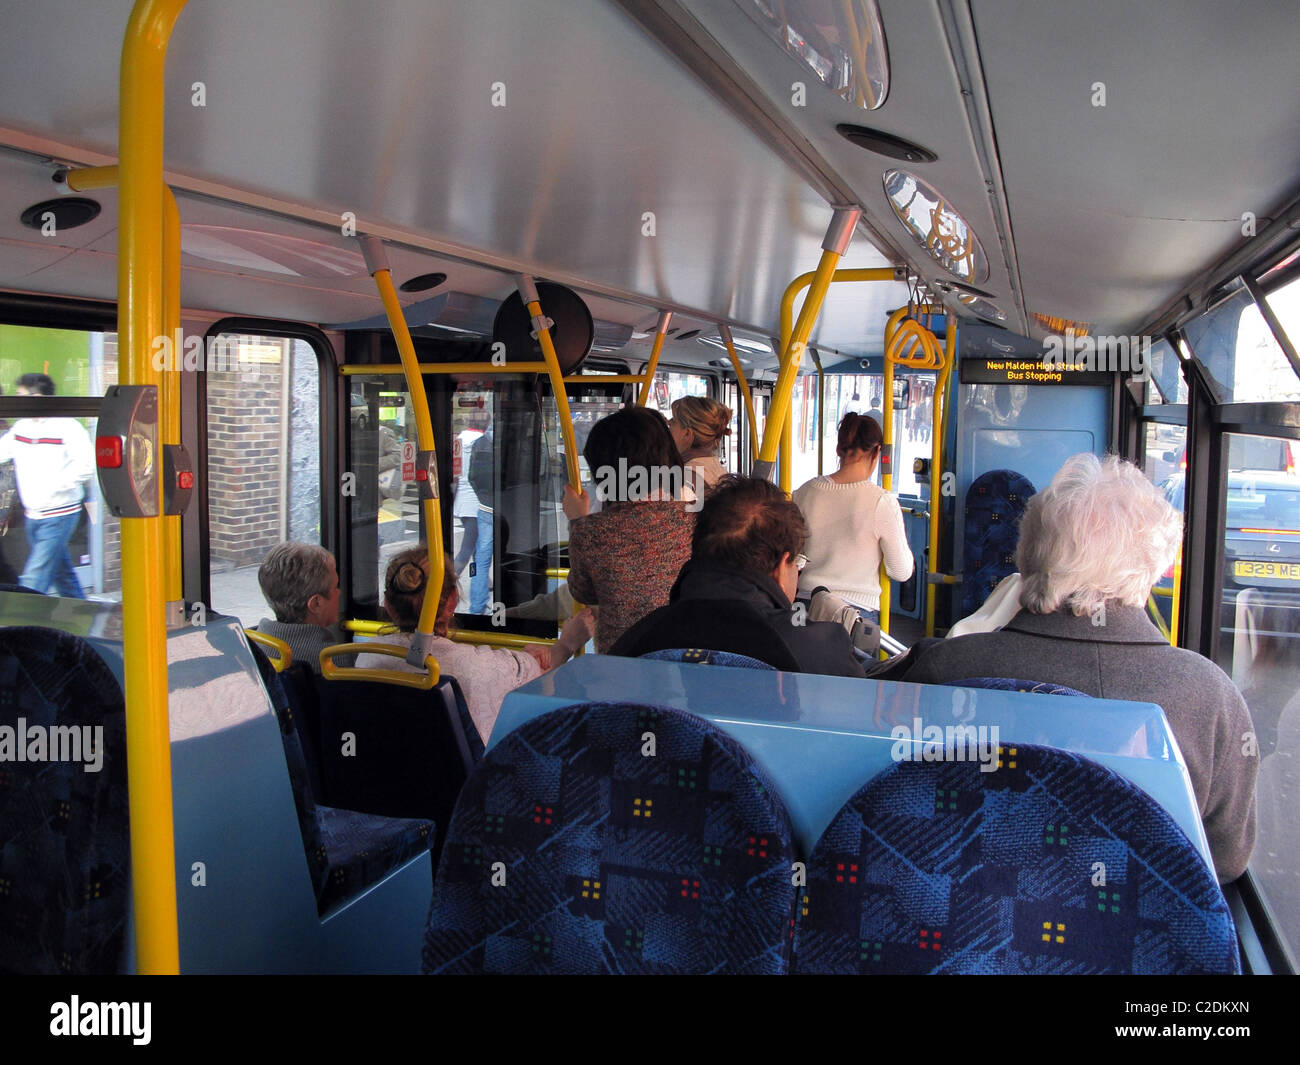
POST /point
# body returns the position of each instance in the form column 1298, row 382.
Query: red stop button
column 185, row 480
column 108, row 452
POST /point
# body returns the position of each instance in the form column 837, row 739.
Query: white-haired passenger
column 300, row 584
column 1092, row 546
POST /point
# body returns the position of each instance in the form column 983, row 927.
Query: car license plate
column 1281, row 571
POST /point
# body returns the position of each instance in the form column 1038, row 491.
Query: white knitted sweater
column 850, row 527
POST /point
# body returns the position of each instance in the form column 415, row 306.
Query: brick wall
column 244, row 454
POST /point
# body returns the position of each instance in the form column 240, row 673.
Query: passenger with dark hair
column 736, row 592
column 485, row 674
column 1092, row 546
column 53, row 459
column 625, row 558
column 300, row 584
column 853, row 524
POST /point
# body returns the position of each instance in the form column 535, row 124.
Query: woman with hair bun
column 485, row 674
column 699, row 425
column 853, row 524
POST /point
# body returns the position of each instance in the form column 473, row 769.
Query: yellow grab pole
column 170, row 399
column 787, row 450
column 838, row 235
column 542, row 330
column 820, row 428
column 141, row 318
column 1177, row 597
column 887, row 471
column 661, row 331
column 938, row 415
column 84, row 179
column 377, row 263
column 724, row 331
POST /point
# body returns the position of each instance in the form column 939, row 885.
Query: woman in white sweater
column 852, row 524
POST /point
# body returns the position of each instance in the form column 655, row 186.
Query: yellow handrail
column 938, row 418
column 498, row 639
column 141, row 318
column 448, row 367
column 378, row 266
column 724, row 331
column 370, row 628
column 85, row 179
column 419, row 681
column 542, row 330
column 794, row 338
column 661, row 331
column 283, row 652
column 903, row 336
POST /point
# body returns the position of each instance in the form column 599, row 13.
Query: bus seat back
column 995, row 503
column 395, row 751
column 702, row 657
column 64, row 822
column 1048, row 864
column 1007, row 684
column 574, row 850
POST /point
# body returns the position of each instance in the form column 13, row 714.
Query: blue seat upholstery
column 64, row 826
column 1006, row 684
column 700, row 656
column 577, row 848
column 1049, row 864
column 347, row 850
column 995, row 503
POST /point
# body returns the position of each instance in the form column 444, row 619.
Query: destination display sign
column 1029, row 371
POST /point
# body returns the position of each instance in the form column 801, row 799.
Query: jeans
column 478, row 585
column 467, row 542
column 49, row 566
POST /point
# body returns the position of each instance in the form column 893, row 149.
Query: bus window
column 80, row 364
column 672, row 386
column 382, row 505
column 1284, row 302
column 1259, row 648
column 263, row 480
column 1236, row 346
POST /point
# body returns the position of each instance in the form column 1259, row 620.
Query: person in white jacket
column 53, row 458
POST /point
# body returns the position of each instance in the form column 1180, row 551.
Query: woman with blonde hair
column 485, row 674
column 699, row 425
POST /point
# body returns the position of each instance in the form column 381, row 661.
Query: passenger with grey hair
column 301, row 585
column 1092, row 546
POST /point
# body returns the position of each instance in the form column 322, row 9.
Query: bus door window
column 263, row 479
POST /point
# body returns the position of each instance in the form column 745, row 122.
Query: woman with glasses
column 853, row 524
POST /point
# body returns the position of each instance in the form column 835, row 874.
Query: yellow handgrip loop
column 419, row 681
column 271, row 643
